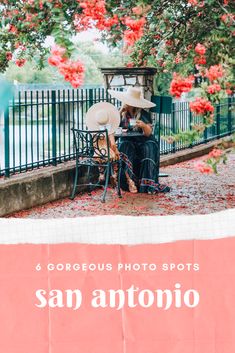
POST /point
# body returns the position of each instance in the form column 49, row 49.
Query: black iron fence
column 35, row 130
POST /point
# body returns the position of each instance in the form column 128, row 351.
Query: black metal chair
column 89, row 153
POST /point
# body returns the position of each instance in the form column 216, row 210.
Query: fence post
column 205, row 131
column 108, row 99
column 90, row 102
column 7, row 142
column 190, row 118
column 218, row 120
column 173, row 126
column 230, row 115
column 53, row 113
column 190, row 123
column 157, row 112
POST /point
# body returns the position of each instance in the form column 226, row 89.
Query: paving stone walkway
column 191, row 193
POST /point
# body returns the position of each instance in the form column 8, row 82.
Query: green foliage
column 172, row 30
column 185, row 137
column 29, row 74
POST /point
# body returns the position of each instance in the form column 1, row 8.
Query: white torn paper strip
column 118, row 229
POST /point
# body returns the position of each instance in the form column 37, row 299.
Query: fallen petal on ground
column 191, row 193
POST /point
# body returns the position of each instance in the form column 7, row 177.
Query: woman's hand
column 113, row 146
column 147, row 128
column 140, row 124
column 116, row 152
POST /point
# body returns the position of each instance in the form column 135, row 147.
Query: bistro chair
column 89, row 153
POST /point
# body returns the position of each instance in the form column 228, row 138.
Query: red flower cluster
column 200, row 49
column 57, row 57
column 201, row 106
column 9, row 55
column 20, row 62
column 180, row 85
column 212, row 89
column 193, row 2
column 215, row 72
column 13, row 29
column 130, row 64
column 178, row 59
column 93, row 11
column 215, row 153
column 228, row 19
column 200, row 60
column 73, row 71
column 169, row 43
column 196, row 3
column 204, row 168
column 210, row 164
column 93, row 14
column 135, row 31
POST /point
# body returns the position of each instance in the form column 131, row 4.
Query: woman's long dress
column 140, row 158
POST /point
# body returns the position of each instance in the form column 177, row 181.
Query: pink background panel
column 209, row 328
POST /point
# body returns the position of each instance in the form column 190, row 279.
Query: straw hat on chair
column 103, row 116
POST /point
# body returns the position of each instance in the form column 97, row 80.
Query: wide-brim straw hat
column 133, row 97
column 103, row 116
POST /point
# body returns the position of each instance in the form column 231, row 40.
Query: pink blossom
column 129, row 64
column 73, row 71
column 54, row 60
column 58, row 50
column 196, row 3
column 200, row 49
column 20, row 62
column 229, row 91
column 135, row 30
column 204, row 168
column 9, row 55
column 200, row 60
column 215, row 153
column 215, row 72
column 138, row 10
column 201, row 106
column 180, row 84
column 212, row 89
column 13, row 29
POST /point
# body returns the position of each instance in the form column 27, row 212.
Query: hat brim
column 114, row 120
column 127, row 99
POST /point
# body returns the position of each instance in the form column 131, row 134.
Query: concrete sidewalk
column 191, row 193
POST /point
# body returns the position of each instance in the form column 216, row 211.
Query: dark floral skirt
column 140, row 159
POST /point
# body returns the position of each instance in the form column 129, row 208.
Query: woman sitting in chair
column 140, row 154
